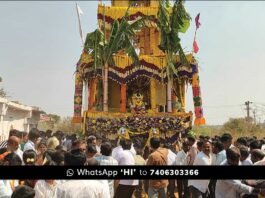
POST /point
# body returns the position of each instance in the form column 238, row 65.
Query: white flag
column 79, row 13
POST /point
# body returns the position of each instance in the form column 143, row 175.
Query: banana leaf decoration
column 170, row 25
column 121, row 35
column 102, row 49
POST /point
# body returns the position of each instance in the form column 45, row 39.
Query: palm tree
column 103, row 49
column 170, row 25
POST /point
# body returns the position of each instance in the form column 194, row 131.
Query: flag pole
column 79, row 23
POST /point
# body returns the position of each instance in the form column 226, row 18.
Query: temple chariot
column 138, row 97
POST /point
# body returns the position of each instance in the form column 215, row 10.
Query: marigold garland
column 78, row 98
column 199, row 119
column 136, row 125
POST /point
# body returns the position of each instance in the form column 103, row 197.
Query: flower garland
column 199, row 119
column 78, row 98
column 136, row 125
column 123, row 71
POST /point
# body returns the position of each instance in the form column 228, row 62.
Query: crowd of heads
column 38, row 148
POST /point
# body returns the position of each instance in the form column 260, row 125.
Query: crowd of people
column 38, row 148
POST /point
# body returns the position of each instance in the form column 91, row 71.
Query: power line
column 222, row 106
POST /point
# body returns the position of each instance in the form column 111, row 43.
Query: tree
column 102, row 48
column 242, row 127
column 62, row 124
column 66, row 126
column 51, row 123
column 54, row 118
column 3, row 93
column 170, row 25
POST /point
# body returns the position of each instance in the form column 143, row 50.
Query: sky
column 40, row 46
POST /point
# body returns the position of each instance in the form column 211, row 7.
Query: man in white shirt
column 5, row 189
column 171, row 160
column 32, row 138
column 219, row 156
column 83, row 189
column 105, row 160
column 118, row 149
column 98, row 142
column 219, row 151
column 182, row 159
column 126, row 187
column 263, row 146
column 256, row 156
column 13, row 146
column 45, row 188
column 199, row 188
column 244, row 153
column 232, row 188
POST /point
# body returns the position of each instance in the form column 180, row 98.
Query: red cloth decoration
column 196, row 91
column 195, row 46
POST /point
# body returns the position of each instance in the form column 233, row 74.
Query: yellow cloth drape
column 116, row 12
column 153, row 94
column 84, row 122
column 92, row 93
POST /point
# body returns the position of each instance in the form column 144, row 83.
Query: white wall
column 16, row 116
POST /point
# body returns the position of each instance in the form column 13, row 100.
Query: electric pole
column 254, row 114
column 248, row 109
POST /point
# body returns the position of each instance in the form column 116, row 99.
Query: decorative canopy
column 125, row 71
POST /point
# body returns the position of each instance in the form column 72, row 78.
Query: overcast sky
column 40, row 46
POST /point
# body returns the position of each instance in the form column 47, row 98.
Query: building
column 14, row 115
